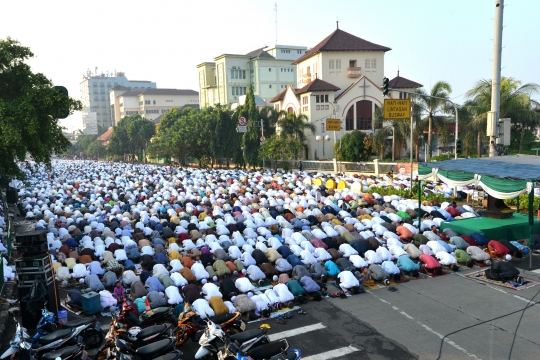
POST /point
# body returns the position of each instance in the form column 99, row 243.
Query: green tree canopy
column 250, row 139
column 131, row 135
column 295, row 125
column 29, row 105
column 280, row 148
column 96, row 150
column 351, row 147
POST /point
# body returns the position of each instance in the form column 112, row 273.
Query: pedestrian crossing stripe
column 297, row 331
column 332, row 354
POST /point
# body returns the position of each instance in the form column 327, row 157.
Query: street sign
column 333, row 125
column 242, row 129
column 262, row 138
column 397, row 109
column 242, row 121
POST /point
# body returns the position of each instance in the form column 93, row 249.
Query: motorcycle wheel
column 92, row 338
column 181, row 337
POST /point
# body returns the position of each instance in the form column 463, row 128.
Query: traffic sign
column 262, row 138
column 333, row 125
column 397, row 109
column 242, row 121
column 242, row 129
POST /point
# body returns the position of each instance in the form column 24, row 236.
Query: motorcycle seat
column 268, row 350
column 247, row 335
column 151, row 330
column 221, row 318
column 56, row 335
column 60, row 353
column 170, row 356
column 79, row 322
column 154, row 348
column 155, row 312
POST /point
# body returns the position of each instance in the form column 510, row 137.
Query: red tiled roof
column 278, row 97
column 401, row 83
column 340, row 40
column 317, row 85
column 106, row 135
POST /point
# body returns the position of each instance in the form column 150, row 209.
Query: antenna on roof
column 337, row 23
column 398, row 71
column 275, row 8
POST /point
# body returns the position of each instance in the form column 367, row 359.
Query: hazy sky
column 163, row 41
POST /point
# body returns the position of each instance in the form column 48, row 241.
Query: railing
column 354, row 71
column 306, row 78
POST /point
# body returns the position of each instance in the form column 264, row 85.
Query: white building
column 89, row 122
column 268, row 70
column 149, row 103
column 341, row 77
column 95, row 89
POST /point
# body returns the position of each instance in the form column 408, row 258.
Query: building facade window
column 373, row 63
column 154, row 102
column 238, row 74
column 367, row 64
column 349, row 119
column 338, row 64
column 321, row 99
column 331, row 64
column 146, row 102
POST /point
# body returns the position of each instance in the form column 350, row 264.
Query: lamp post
column 323, row 138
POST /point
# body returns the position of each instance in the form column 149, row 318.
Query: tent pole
column 419, row 201
column 531, row 225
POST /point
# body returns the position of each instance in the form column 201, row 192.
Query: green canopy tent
column 502, row 177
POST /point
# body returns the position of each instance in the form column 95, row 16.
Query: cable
column 486, row 321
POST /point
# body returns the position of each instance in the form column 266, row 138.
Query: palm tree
column 433, row 110
column 515, row 103
column 270, row 116
column 398, row 129
column 294, row 125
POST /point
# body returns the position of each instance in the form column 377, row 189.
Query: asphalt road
column 410, row 323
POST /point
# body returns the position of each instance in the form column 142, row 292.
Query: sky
column 164, row 40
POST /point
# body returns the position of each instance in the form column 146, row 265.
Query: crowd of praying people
column 248, row 241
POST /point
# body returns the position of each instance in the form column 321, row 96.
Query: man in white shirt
column 435, row 247
column 255, row 273
column 210, row 290
column 383, row 253
column 358, row 261
column 372, row 257
column 199, row 271
column 347, row 250
column 426, row 250
column 348, row 282
column 392, row 269
column 447, row 259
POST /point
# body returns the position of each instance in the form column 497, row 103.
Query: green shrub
column 405, row 193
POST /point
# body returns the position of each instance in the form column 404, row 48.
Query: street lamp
column 323, row 138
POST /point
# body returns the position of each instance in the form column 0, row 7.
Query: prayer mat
column 423, row 271
column 72, row 309
column 529, row 283
column 277, row 313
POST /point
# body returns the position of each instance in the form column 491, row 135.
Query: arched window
column 290, row 110
column 349, row 119
column 364, row 113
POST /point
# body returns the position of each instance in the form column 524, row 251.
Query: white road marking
column 332, row 354
column 427, row 328
column 297, row 331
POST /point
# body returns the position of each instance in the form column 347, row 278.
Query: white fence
column 367, row 167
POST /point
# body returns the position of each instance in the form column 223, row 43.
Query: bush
column 524, row 202
column 406, row 193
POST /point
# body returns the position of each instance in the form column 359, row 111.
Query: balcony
column 306, row 78
column 354, row 72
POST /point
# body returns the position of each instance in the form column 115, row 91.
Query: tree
column 250, row 139
column 131, row 135
column 515, row 103
column 351, row 147
column 96, row 150
column 434, row 110
column 399, row 130
column 29, row 106
column 293, row 125
column 280, row 148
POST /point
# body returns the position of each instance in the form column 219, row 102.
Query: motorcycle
column 92, row 336
column 134, row 337
column 276, row 350
column 191, row 325
column 49, row 345
column 214, row 337
column 160, row 350
column 129, row 315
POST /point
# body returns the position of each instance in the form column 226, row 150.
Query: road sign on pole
column 242, row 129
column 262, row 138
column 242, row 121
column 397, row 109
column 333, row 125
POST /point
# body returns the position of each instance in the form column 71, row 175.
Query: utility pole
column 493, row 117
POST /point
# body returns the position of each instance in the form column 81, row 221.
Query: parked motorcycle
column 134, row 337
column 214, row 338
column 160, row 350
column 92, row 336
column 22, row 348
column 129, row 315
column 191, row 325
column 276, row 350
